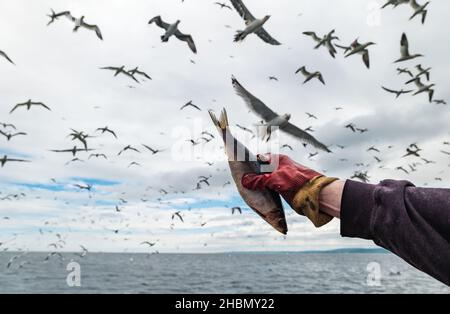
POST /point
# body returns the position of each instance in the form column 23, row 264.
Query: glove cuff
column 306, row 200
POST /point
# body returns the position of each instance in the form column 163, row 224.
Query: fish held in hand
column 266, row 203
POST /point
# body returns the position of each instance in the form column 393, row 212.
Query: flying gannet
column 253, row 25
column 172, row 29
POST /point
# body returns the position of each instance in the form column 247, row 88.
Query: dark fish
column 265, row 203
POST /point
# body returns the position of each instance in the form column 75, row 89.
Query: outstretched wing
column 254, row 103
column 242, row 10
column 6, row 56
column 389, row 90
column 158, row 21
column 313, row 35
column 264, row 35
column 186, row 38
column 304, row 136
column 94, row 28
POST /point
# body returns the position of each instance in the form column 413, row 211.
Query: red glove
column 287, row 180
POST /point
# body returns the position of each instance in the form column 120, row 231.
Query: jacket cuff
column 306, row 201
column 357, row 208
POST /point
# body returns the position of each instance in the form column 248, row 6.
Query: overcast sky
column 61, row 69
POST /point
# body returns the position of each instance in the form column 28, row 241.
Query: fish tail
column 222, row 122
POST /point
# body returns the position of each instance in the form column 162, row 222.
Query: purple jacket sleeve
column 411, row 222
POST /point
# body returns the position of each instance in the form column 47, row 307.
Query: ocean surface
column 215, row 273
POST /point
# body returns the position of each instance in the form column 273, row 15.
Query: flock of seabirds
column 419, row 76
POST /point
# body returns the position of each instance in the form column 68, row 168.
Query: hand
column 286, row 180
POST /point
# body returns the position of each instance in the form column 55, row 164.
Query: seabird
column 236, row 209
column 178, row 215
column 128, row 147
column 394, row 3
column 404, row 50
column 398, row 93
column 172, row 29
column 287, row 146
column 136, row 71
column 81, row 23
column 154, row 151
column 87, row 187
column 5, row 159
column 423, row 88
column 54, row 16
column 361, row 49
column 190, row 104
column 7, row 125
column 404, row 71
column 223, row 5
column 134, row 163
column 440, row 102
column 10, row 135
column 422, row 71
column 120, row 70
column 73, row 150
column 28, row 105
column 253, row 25
column 150, row 244
column 326, row 41
column 106, row 129
column 273, row 78
column 97, row 156
column 273, row 119
column 4, row 55
column 419, row 10
column 310, row 75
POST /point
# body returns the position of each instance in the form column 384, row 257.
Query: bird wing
column 304, row 136
column 109, row 68
column 322, row 80
column 188, row 39
column 389, row 90
column 69, row 16
column 254, row 103
column 6, row 56
column 42, row 105
column 242, row 10
column 158, row 21
column 264, row 35
column 313, row 35
column 16, row 106
column 366, row 59
column 93, row 28
column 3, row 133
column 404, row 46
column 143, row 74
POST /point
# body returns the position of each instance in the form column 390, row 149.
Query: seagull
column 8, row 125
column 404, row 71
column 87, row 187
column 310, row 75
column 351, row 126
column 128, row 147
column 172, row 29
column 373, row 148
column 287, row 146
column 362, row 176
column 410, row 152
column 106, row 129
column 243, row 128
column 361, row 49
column 273, row 78
column 121, row 70
column 423, row 88
column 273, row 119
column 136, row 71
column 178, row 215
column 4, row 55
column 73, row 150
column 253, row 25
column 190, row 104
column 398, row 93
column 236, row 209
column 97, row 156
column 404, row 50
column 150, row 244
column 28, row 104
column 154, row 151
column 423, row 71
column 419, row 10
column 440, row 102
column 310, row 115
column 134, row 163
column 9, row 135
column 223, row 5
column 6, row 159
column 81, row 23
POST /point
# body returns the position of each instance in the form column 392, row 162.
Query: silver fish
column 267, row 203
